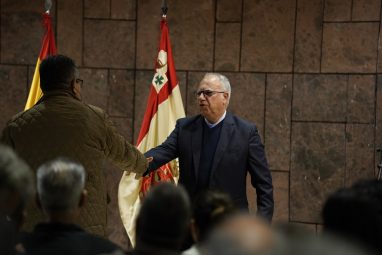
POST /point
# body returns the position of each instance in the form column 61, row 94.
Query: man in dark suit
column 216, row 149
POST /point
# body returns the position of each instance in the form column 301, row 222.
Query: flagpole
column 164, row 8
column 48, row 6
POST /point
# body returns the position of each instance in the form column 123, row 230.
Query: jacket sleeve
column 261, row 178
column 165, row 152
column 121, row 152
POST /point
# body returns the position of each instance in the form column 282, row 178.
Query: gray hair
column 222, row 79
column 15, row 175
column 59, row 184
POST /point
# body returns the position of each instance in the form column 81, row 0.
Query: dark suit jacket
column 239, row 150
column 64, row 239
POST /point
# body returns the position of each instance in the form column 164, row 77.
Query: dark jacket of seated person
column 58, row 238
column 61, row 194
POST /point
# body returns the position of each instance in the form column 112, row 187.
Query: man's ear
column 72, row 85
column 83, row 198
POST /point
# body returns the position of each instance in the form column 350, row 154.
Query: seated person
column 61, row 194
column 355, row 214
column 16, row 189
column 209, row 209
column 163, row 221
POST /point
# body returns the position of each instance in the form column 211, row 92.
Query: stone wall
column 306, row 71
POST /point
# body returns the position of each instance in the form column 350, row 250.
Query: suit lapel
column 196, row 143
column 225, row 137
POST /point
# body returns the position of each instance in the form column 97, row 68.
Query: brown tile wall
column 308, row 72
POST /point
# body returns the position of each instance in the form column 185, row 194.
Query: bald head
column 249, row 233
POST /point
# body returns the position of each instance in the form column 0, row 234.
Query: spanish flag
column 48, row 48
column 163, row 109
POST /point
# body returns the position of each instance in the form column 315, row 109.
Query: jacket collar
column 57, row 93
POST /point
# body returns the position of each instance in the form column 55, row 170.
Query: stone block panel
column 13, row 80
column 281, row 196
column 317, row 168
column 142, row 88
column 379, row 54
column 31, row 70
column 97, row 8
column 229, row 10
column 349, row 47
column 123, row 9
column 359, row 152
column 338, row 10
column 277, row 121
column 308, row 36
column 361, row 98
column 21, row 31
column 69, row 29
column 191, row 26
column 95, row 89
column 268, row 36
column 227, row 46
column 366, row 10
column 121, row 100
column 319, row 98
column 378, row 122
column 109, row 43
column 248, row 88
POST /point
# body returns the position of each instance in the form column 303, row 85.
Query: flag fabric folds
column 48, row 48
column 164, row 107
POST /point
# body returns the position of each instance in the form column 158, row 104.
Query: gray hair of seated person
column 15, row 176
column 59, row 184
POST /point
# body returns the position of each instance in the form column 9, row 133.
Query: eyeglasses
column 80, row 81
column 207, row 93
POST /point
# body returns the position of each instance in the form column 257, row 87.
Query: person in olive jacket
column 61, row 125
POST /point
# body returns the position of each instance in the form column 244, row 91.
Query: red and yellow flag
column 48, row 48
column 163, row 109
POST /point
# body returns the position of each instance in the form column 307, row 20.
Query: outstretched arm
column 165, row 152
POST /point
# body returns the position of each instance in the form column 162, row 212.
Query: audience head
column 164, row 217
column 60, row 185
column 355, row 213
column 16, row 184
column 249, row 234
column 59, row 72
column 299, row 242
column 210, row 208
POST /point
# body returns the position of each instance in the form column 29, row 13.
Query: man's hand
column 138, row 176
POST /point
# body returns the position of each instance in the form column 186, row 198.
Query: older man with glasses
column 217, row 149
column 60, row 124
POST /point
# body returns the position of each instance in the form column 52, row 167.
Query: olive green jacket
column 60, row 125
